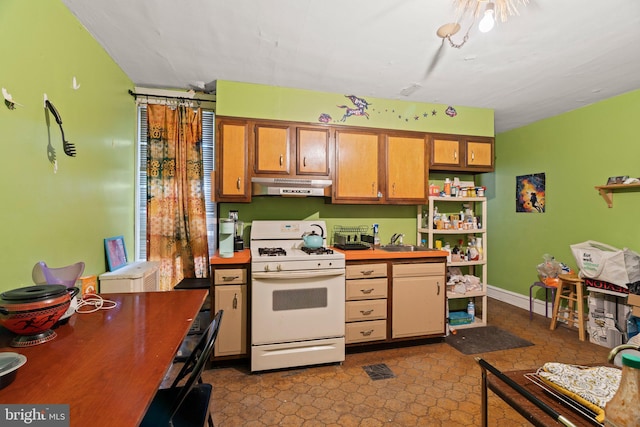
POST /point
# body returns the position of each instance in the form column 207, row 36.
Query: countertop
column 241, row 257
column 244, row 257
column 373, row 254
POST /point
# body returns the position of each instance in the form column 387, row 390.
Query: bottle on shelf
column 471, row 309
column 623, row 409
column 447, row 187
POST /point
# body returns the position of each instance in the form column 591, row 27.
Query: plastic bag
column 549, row 270
column 607, row 263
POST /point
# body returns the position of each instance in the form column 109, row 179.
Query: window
column 208, row 126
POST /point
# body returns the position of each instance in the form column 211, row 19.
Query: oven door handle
column 290, row 275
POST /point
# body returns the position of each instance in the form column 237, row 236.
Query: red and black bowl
column 32, row 311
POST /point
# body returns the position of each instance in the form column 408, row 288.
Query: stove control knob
column 266, row 267
column 279, row 268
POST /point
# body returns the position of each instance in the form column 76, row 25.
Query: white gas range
column 297, row 310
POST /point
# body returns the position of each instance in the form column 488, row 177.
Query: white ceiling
column 555, row 56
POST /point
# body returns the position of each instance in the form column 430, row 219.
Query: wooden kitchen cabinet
column 313, row 151
column 445, row 153
column 479, row 154
column 232, row 174
column 356, row 172
column 271, row 149
column 366, row 303
column 407, row 169
column 230, row 295
column 453, row 153
column 418, row 299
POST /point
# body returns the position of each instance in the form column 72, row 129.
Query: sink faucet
column 397, row 237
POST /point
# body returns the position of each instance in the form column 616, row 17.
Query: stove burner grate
column 272, row 251
column 317, row 251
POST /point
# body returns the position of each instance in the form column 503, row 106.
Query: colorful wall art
column 530, row 193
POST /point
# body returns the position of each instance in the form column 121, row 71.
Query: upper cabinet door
column 480, row 154
column 356, row 171
column 407, row 170
column 445, row 152
column 271, row 149
column 312, row 151
column 232, row 182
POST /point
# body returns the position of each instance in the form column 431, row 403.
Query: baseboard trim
column 518, row 300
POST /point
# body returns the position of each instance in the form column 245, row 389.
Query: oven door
column 293, row 306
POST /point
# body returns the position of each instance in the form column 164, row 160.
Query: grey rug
column 484, row 340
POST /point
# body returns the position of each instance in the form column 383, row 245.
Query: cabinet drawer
column 228, row 276
column 365, row 331
column 423, row 269
column 366, row 289
column 366, row 310
column 365, row 271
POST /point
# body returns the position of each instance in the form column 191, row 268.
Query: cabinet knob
column 235, row 301
column 281, row 159
column 304, row 161
column 238, row 183
column 455, row 155
column 473, row 156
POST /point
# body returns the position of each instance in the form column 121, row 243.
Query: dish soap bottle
column 471, row 310
column 376, row 236
column 623, row 409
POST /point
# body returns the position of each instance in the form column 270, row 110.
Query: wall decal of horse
column 360, row 108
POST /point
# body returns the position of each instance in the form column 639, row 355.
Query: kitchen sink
column 405, row 248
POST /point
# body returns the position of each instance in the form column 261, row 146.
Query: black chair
column 187, row 404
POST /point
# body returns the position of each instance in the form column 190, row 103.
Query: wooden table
column 109, row 364
column 528, row 410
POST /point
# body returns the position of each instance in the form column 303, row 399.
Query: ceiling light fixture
column 488, row 22
column 501, row 9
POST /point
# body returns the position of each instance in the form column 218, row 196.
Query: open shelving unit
column 478, row 205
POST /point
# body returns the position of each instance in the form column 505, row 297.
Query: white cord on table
column 95, row 301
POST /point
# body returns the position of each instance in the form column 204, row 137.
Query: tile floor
column 433, row 384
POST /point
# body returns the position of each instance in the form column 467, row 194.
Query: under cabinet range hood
column 292, row 187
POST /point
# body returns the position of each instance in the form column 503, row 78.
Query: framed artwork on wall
column 530, row 193
column 116, row 252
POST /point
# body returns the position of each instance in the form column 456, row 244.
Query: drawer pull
column 366, row 333
column 366, row 272
column 229, row 278
column 366, row 312
column 366, row 291
column 235, row 301
column 238, row 184
column 438, row 288
column 281, row 160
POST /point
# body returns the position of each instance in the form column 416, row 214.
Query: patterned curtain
column 176, row 216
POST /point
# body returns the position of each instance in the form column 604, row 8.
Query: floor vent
column 379, row 372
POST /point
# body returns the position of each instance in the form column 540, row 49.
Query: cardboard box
column 633, row 300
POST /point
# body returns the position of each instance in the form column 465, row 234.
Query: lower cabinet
column 230, row 295
column 366, row 303
column 418, row 302
column 394, row 300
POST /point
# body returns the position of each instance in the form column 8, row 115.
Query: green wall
column 61, row 216
column 577, row 151
column 236, row 99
